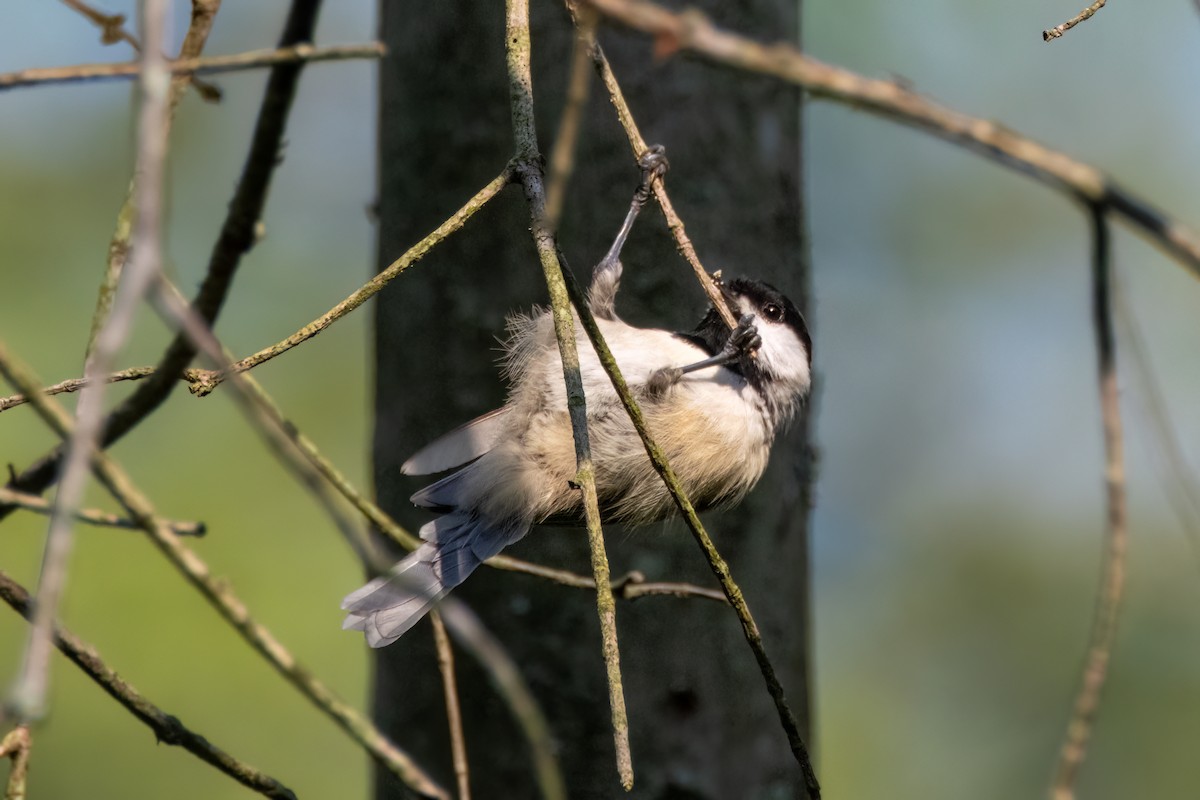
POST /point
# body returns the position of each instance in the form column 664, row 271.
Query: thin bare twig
column 207, row 381
column 562, row 153
column 167, row 728
column 1175, row 474
column 16, row 746
column 518, row 55
column 693, row 32
column 75, row 384
column 39, row 505
column 485, row 649
column 1112, row 584
column 719, row 567
column 458, row 743
column 235, row 240
column 203, row 14
column 734, row 593
column 29, row 695
column 682, row 241
column 208, row 65
column 112, row 26
column 112, row 30
column 633, row 585
column 269, row 422
column 280, row 436
column 222, row 597
column 202, row 382
column 1051, row 34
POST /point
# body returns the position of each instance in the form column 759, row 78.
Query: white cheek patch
column 783, row 352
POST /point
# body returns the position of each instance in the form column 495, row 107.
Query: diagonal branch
column 1175, row 474
column 458, row 743
column 486, row 649
column 203, row 381
column 1112, row 584
column 222, row 597
column 167, row 728
column 206, row 381
column 561, row 164
column 235, row 240
column 28, row 698
column 282, row 437
column 734, row 594
column 1051, row 34
column 682, row 241
column 693, row 33
column 269, row 422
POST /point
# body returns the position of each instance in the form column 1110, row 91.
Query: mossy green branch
column 207, row 380
column 529, row 171
column 721, row 569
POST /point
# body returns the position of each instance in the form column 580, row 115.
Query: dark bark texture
column 701, row 721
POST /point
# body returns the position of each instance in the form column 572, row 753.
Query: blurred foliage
column 959, row 519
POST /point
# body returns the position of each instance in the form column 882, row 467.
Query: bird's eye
column 773, row 312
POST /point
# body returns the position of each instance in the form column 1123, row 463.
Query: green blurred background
column 957, row 536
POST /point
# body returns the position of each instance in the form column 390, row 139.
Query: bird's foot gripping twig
column 743, row 340
column 654, row 166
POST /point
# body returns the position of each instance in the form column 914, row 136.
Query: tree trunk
column 701, row 721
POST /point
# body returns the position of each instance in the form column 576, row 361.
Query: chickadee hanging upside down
column 713, row 400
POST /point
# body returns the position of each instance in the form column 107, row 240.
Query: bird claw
column 653, row 164
column 661, row 380
column 745, row 338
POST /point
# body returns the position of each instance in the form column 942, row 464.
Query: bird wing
column 465, row 443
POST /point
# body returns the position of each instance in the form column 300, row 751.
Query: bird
column 714, row 400
column 715, row 418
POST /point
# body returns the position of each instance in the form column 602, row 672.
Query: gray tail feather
column 441, row 495
column 387, row 607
